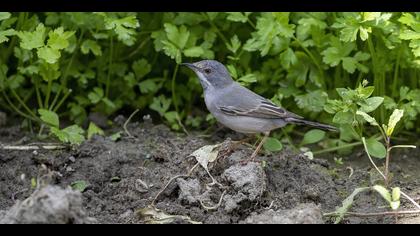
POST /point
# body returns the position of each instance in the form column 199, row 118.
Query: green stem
column 5, row 106
column 379, row 77
column 251, row 23
column 395, row 82
column 173, row 88
column 337, row 148
column 359, row 78
column 66, row 72
column 372, row 54
column 141, row 45
column 38, row 94
column 17, row 110
column 108, row 77
column 62, row 100
column 22, row 103
column 41, row 129
column 371, row 160
column 401, row 146
column 337, row 77
column 56, row 98
column 27, row 97
column 47, row 97
column 388, row 156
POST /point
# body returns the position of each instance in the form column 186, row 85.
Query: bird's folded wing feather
column 244, row 102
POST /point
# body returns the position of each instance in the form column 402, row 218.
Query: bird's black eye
column 207, row 71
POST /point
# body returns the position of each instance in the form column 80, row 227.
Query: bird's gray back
column 243, row 101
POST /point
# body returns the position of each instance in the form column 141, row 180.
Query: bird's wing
column 240, row 101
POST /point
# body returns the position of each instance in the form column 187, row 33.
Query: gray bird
column 240, row 109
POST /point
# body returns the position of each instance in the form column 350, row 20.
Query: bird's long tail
column 313, row 124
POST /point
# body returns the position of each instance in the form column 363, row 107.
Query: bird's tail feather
column 313, row 124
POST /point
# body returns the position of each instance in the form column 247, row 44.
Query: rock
column 3, row 119
column 303, row 214
column 189, row 190
column 141, row 186
column 126, row 215
column 49, row 205
column 248, row 182
column 72, row 159
column 410, row 220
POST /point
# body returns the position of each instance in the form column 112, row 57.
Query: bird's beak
column 191, row 66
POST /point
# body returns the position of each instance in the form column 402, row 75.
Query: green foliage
column 72, row 134
column 115, row 137
column 392, row 198
column 93, row 129
column 313, row 136
column 49, row 117
column 76, row 63
column 273, row 145
column 375, row 148
column 79, row 185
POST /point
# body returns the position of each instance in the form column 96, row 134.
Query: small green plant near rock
column 338, row 161
column 79, row 185
column 392, row 196
column 72, row 134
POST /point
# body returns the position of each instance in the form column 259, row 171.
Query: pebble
column 72, row 159
column 141, row 186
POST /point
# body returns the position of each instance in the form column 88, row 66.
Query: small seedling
column 338, row 161
column 391, row 196
column 80, row 185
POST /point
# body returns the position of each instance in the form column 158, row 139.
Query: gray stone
column 302, row 214
column 410, row 220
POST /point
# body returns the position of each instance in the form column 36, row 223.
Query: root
column 216, row 206
column 128, row 121
column 370, row 214
column 32, row 147
column 171, row 180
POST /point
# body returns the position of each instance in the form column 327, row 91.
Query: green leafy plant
column 79, row 185
column 72, row 134
column 77, row 63
column 391, row 196
column 386, row 131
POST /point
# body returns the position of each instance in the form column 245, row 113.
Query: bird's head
column 212, row 74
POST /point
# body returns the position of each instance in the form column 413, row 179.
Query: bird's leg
column 239, row 142
column 255, row 153
column 233, row 145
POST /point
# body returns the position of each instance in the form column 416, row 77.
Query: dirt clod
column 248, row 182
column 189, row 191
column 49, row 205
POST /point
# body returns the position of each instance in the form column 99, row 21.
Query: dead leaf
column 152, row 215
column 205, row 155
